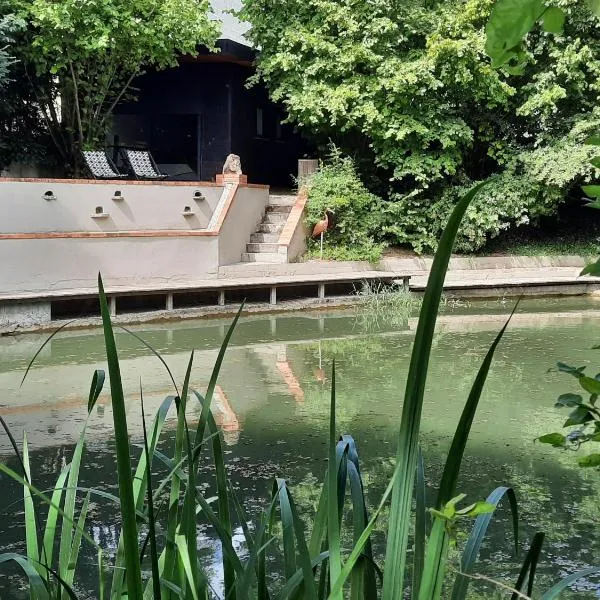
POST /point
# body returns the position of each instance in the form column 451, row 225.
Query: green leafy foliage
column 356, row 228
column 89, row 57
column 408, row 89
column 583, row 422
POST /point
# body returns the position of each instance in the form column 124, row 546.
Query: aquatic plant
column 160, row 516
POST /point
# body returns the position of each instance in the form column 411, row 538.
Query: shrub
column 356, row 232
column 533, row 185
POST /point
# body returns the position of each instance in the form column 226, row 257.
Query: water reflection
column 272, row 405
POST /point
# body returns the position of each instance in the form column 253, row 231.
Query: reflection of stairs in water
column 279, row 375
column 263, row 246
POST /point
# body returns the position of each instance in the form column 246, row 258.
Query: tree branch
column 76, row 106
column 117, row 99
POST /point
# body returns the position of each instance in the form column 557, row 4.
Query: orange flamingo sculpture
column 322, row 226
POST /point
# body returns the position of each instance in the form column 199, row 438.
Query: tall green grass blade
column 38, row 494
column 308, row 581
column 69, row 576
column 13, row 443
column 291, row 585
column 357, row 551
column 173, row 511
column 150, row 501
column 31, row 537
column 400, row 512
column 447, row 489
column 36, row 583
column 436, row 558
column 556, row 590
column 185, row 560
column 125, row 476
column 363, row 581
column 66, row 534
column 333, row 522
column 420, row 526
column 319, row 530
column 64, row 586
column 95, row 388
column 287, row 525
column 480, row 527
column 52, row 518
column 530, row 565
column 41, row 348
column 223, row 504
column 256, row 558
column 213, row 382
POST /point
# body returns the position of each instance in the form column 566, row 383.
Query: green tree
column 80, row 59
column 408, row 86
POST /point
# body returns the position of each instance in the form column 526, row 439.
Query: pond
column 272, row 403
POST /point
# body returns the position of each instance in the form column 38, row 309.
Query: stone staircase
column 263, row 246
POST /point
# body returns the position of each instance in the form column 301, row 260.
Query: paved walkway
column 463, row 273
column 481, row 276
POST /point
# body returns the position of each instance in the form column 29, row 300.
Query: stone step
column 274, row 218
column 259, row 238
column 270, row 228
column 282, row 200
column 279, row 208
column 262, row 247
column 263, row 257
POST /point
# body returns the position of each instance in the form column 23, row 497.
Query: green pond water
column 272, row 403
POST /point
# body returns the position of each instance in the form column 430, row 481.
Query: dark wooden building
column 192, row 116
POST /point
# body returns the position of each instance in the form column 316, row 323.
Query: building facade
column 192, row 116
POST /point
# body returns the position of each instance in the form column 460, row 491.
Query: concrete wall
column 53, row 246
column 146, row 206
column 244, row 215
column 51, row 265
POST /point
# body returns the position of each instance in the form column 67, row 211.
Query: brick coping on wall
column 148, row 233
column 126, row 182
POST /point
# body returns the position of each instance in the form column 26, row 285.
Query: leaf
column 555, row 590
column 459, row 441
column 591, row 191
column 594, row 6
column 529, row 565
column 593, row 140
column 125, row 476
column 406, row 457
column 509, row 22
column 557, row 440
column 95, row 388
column 36, row 583
column 473, row 545
column 592, row 269
column 553, row 20
column 569, row 400
column 474, row 510
column 591, row 460
column 575, row 371
column 579, row 416
column 590, row 385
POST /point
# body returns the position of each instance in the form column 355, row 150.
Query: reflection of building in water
column 230, row 424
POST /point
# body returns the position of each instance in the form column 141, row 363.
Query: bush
column 533, row 185
column 356, row 230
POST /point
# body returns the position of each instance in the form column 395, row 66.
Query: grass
column 160, row 518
